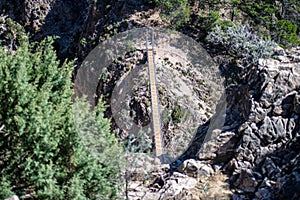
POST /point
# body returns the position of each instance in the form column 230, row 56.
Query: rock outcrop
column 257, row 149
column 259, row 144
column 265, row 148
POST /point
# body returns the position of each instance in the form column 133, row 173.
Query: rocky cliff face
column 79, row 24
column 258, row 146
column 259, row 143
column 264, row 150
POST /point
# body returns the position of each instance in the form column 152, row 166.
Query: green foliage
column 178, row 114
column 212, row 5
column 286, row 33
column 208, row 22
column 241, row 43
column 175, row 11
column 5, row 187
column 95, row 133
column 42, row 153
column 103, row 148
column 259, row 11
column 276, row 18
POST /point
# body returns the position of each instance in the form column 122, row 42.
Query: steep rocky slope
column 79, row 24
column 258, row 146
column 262, row 156
column 259, row 143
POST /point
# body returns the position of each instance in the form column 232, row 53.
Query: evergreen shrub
column 42, row 153
column 286, row 33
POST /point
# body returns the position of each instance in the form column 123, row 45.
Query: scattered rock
column 195, row 169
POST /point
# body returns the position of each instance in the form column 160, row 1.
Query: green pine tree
column 42, row 152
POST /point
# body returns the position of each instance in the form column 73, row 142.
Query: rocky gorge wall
column 255, row 155
column 264, row 161
column 258, row 146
